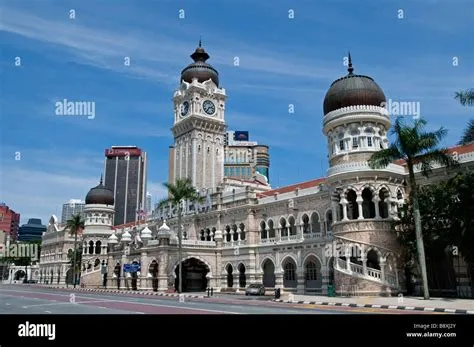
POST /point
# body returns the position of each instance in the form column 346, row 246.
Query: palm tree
column 415, row 146
column 465, row 97
column 75, row 226
column 468, row 133
column 178, row 193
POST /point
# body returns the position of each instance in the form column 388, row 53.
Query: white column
column 181, row 159
column 204, row 157
column 213, row 150
column 186, row 158
column 376, row 200
column 344, row 210
column 194, row 160
column 359, row 201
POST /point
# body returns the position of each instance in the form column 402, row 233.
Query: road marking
column 66, row 302
column 123, row 301
column 7, row 304
column 47, row 311
column 139, row 312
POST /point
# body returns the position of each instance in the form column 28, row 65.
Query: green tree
column 465, row 97
column 415, row 146
column 446, row 210
column 75, row 225
column 178, row 193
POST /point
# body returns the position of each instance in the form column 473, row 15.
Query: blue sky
column 282, row 61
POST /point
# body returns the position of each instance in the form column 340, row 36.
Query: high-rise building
column 32, row 231
column 9, row 221
column 243, row 158
column 72, row 207
column 149, row 208
column 126, row 175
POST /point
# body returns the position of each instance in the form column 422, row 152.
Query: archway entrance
column 331, row 271
column 134, row 276
column 230, row 276
column 194, row 275
column 19, row 275
column 269, row 279
column 69, row 279
column 242, row 277
column 153, row 269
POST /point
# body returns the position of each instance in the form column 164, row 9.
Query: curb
column 127, row 292
column 406, row 308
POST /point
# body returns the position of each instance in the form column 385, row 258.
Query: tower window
column 369, row 141
column 341, row 145
column 355, row 142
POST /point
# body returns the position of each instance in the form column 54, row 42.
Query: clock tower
column 199, row 127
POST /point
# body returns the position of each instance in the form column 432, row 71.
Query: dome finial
column 350, row 69
column 200, row 43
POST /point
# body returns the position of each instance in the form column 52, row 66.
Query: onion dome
column 164, row 230
column 126, row 237
column 200, row 69
column 113, row 239
column 100, row 195
column 146, row 234
column 353, row 90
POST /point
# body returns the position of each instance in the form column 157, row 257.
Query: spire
column 350, row 69
column 200, row 54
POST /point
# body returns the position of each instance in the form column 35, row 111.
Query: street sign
column 131, row 267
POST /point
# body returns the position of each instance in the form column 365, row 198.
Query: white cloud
column 39, row 194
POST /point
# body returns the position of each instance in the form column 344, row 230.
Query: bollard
column 212, row 291
column 208, row 292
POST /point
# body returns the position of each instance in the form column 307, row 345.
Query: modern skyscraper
column 244, row 158
column 32, row 231
column 149, row 208
column 72, row 207
column 126, row 175
column 9, row 221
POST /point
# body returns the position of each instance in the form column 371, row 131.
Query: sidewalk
column 448, row 305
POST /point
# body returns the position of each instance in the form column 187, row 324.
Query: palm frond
column 384, row 157
column 468, row 133
column 465, row 97
column 438, row 156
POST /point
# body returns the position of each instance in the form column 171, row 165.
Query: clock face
column 209, row 107
column 184, row 108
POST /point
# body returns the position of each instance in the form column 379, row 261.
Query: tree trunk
column 74, row 260
column 180, row 253
column 419, row 234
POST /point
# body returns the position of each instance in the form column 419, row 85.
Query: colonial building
column 333, row 231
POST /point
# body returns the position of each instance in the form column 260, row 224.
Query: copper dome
column 200, row 69
column 352, row 90
column 100, row 195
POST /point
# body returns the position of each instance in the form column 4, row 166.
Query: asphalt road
column 25, row 299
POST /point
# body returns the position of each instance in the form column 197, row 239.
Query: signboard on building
column 123, row 152
column 241, row 135
column 131, row 267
